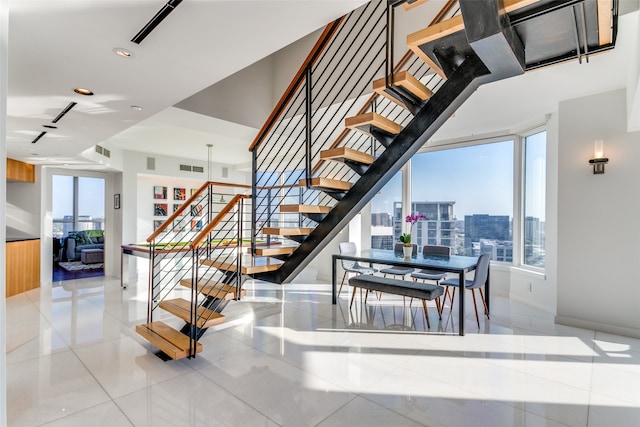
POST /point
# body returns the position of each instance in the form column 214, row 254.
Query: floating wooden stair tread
column 328, row 183
column 250, row 265
column 214, row 289
column 346, row 153
column 305, row 209
column 405, row 81
column 276, row 250
column 286, row 231
column 363, row 122
column 205, row 318
column 411, row 4
column 173, row 343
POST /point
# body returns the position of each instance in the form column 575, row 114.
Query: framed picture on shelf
column 179, row 225
column 159, row 192
column 193, row 191
column 160, row 209
column 179, row 194
column 196, row 225
column 176, row 207
column 156, row 224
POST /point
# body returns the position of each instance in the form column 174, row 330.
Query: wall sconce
column 599, row 159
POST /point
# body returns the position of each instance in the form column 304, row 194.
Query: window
column 467, row 195
column 78, row 204
column 534, row 199
column 386, row 214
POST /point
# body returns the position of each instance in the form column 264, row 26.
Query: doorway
column 78, row 204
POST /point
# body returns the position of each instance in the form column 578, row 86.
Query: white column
column 4, row 42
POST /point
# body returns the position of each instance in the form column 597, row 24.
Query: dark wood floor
column 62, row 274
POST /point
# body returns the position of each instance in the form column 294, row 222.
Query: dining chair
column 479, row 280
column 433, row 275
column 400, row 271
column 350, row 248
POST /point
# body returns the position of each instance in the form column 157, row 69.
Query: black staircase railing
column 333, row 84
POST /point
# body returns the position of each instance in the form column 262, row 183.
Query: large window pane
column 467, row 195
column 63, row 220
column 90, row 203
column 386, row 214
column 534, row 199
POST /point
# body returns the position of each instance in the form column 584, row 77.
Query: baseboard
column 597, row 326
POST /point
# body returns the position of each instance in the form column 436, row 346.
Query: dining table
column 454, row 264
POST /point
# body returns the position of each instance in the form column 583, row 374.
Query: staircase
column 328, row 148
column 470, row 43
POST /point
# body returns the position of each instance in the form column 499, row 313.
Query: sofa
column 76, row 241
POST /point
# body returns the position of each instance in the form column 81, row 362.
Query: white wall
column 598, row 225
column 23, row 206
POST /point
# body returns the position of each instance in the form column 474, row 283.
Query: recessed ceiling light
column 123, row 52
column 83, row 91
column 136, row 108
column 50, row 126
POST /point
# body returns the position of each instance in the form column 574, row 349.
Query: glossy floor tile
column 287, row 357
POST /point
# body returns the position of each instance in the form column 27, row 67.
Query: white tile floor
column 286, row 356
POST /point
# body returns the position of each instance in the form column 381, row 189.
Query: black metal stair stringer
column 454, row 92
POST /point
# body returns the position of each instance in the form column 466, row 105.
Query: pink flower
column 411, row 219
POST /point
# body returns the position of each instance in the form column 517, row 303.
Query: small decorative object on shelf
column 405, row 238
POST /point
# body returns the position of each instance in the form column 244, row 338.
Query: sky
column 479, row 179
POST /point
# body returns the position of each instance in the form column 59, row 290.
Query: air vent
column 225, row 172
column 197, row 169
column 38, row 137
column 64, row 111
column 151, row 163
column 106, row 153
column 186, row 168
column 157, row 19
column 98, row 149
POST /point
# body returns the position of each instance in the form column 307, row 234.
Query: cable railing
column 331, row 85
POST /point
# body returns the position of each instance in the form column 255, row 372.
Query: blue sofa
column 76, row 241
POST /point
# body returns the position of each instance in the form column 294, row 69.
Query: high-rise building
column 439, row 228
column 486, row 227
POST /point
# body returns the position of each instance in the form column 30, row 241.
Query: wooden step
column 346, row 153
column 250, row 265
column 364, row 122
column 173, row 343
column 205, row 318
column 286, row 231
column 328, row 183
column 406, row 82
column 410, row 4
column 305, row 209
column 430, row 34
column 276, row 250
column 214, row 289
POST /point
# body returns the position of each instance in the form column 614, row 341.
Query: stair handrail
column 199, row 238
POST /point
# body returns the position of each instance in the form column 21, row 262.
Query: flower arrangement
column 411, row 219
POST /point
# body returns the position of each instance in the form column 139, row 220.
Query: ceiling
column 56, row 46
column 199, row 44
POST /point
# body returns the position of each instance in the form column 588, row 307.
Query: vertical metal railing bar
column 308, row 137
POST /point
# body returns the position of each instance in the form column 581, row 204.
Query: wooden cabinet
column 23, row 266
column 20, row 171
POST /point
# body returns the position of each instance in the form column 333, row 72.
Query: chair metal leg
column 439, row 308
column 426, row 314
column 342, row 283
column 484, row 303
column 475, row 307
